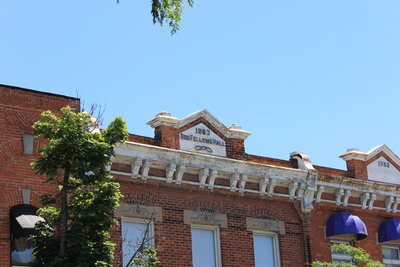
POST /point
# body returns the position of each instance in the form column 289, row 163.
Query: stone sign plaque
column 202, row 217
column 139, row 211
column 265, row 225
column 201, row 139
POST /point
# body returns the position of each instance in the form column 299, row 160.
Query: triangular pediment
column 164, row 118
column 383, row 165
column 383, row 149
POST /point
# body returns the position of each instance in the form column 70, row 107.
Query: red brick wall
column 173, row 236
column 19, row 109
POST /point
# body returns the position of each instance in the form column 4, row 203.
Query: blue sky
column 312, row 76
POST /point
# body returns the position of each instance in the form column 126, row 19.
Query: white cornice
column 178, row 157
column 305, row 186
column 354, row 155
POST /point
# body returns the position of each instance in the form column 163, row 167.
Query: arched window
column 22, row 221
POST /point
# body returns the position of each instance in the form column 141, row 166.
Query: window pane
column 264, row 254
column 390, row 253
column 203, row 248
column 132, row 236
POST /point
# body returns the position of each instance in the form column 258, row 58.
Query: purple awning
column 344, row 223
column 389, row 230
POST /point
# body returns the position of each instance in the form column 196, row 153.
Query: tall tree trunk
column 63, row 215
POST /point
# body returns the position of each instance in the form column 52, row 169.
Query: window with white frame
column 266, row 249
column 135, row 232
column 338, row 257
column 391, row 256
column 205, row 246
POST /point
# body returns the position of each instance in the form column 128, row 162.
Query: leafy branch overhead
column 169, row 11
column 359, row 255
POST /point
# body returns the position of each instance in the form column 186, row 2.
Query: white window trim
column 341, row 256
column 277, row 258
column 391, row 261
column 217, row 242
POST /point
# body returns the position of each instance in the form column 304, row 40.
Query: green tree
column 78, row 217
column 169, row 11
column 360, row 256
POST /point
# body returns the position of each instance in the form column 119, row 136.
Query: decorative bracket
column 347, row 194
column 233, row 181
column 170, row 172
column 320, row 190
column 364, row 200
column 135, row 167
column 242, row 182
column 179, row 173
column 371, row 201
column 300, row 191
column 292, row 189
column 308, row 198
column 203, row 177
column 211, row 178
column 144, row 170
column 271, row 186
column 338, row 194
column 264, row 181
column 395, row 204
column 389, row 203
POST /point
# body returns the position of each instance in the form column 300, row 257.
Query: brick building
column 20, row 188
column 206, row 202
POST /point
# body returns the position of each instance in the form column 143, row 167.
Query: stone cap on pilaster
column 163, row 118
column 354, row 153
